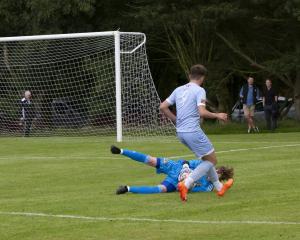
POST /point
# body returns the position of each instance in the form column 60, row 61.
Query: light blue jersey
column 187, row 99
column 172, row 170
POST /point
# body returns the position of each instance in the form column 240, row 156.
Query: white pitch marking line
column 242, row 149
column 119, row 157
column 56, row 157
column 28, row 214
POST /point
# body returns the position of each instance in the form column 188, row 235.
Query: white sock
column 218, row 185
column 201, row 170
column 188, row 182
column 213, row 176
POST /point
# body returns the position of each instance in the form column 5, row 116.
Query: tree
column 232, row 37
column 271, row 42
column 253, row 36
column 189, row 41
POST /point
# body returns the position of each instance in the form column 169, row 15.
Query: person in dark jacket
column 249, row 95
column 270, row 98
column 28, row 112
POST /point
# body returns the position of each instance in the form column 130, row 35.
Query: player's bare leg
column 250, row 123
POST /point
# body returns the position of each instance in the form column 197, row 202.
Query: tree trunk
column 223, row 97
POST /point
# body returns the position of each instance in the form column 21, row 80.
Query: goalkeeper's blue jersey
column 172, row 169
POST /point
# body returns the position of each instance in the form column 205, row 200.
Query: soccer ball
column 184, row 172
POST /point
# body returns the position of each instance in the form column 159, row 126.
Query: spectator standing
column 28, row 112
column 249, row 94
column 270, row 98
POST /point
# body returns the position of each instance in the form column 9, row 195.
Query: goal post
column 118, row 86
column 96, row 83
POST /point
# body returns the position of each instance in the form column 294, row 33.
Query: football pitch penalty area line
column 132, row 219
column 242, row 149
column 119, row 157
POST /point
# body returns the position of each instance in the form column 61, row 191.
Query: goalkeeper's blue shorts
column 171, row 169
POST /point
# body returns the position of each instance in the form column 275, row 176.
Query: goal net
column 81, row 84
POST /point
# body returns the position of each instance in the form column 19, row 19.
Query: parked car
column 9, row 124
column 284, row 104
column 63, row 114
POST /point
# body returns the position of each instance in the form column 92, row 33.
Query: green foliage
column 260, row 37
column 191, row 48
column 284, row 126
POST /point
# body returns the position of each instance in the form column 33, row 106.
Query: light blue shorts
column 198, row 142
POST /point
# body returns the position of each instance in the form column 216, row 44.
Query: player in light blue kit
column 190, row 101
column 175, row 170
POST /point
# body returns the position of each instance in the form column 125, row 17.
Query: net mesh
column 72, row 81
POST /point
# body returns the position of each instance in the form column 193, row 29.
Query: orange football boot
column 183, row 190
column 225, row 187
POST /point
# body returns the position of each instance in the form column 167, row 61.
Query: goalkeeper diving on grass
column 176, row 172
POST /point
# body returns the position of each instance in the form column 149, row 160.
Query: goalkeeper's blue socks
column 145, row 189
column 140, row 157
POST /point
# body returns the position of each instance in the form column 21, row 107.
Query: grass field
column 78, row 177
